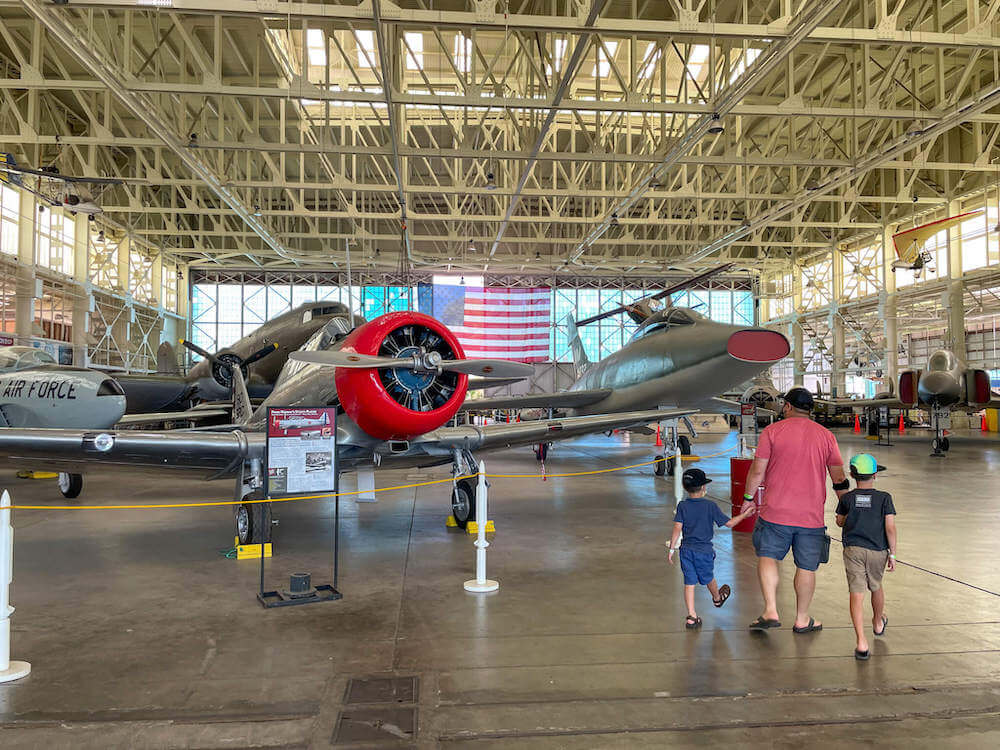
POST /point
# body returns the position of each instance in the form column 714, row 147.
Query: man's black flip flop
column 862, row 655
column 885, row 624
column 762, row 623
column 812, row 627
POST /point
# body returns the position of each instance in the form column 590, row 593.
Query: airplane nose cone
column 939, row 389
column 757, row 345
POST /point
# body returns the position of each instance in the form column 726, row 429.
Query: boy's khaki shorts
column 864, row 568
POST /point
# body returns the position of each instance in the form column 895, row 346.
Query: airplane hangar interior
column 499, row 373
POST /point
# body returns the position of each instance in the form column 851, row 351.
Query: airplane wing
column 561, row 400
column 196, row 414
column 862, row 403
column 6, row 167
column 485, row 437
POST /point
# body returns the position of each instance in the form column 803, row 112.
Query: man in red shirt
column 794, row 456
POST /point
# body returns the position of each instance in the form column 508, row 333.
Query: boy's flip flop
column 812, row 627
column 762, row 623
column 724, row 592
column 885, row 624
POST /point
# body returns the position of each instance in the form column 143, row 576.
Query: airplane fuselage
column 60, row 396
column 941, row 383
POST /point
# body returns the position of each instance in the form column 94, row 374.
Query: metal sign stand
column 300, row 590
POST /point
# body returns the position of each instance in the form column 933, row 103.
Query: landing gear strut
column 940, row 421
column 542, row 451
column 463, row 492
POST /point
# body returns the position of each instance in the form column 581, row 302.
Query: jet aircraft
column 946, row 383
column 398, row 381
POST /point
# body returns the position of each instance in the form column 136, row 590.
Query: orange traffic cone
column 857, row 423
column 983, row 424
column 902, row 427
column 659, row 441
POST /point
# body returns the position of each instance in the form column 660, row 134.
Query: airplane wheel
column 670, row 462
column 463, row 502
column 70, row 485
column 685, row 445
column 660, row 467
column 542, row 451
column 945, row 444
column 936, row 445
column 253, row 523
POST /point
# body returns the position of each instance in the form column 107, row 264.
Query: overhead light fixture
column 472, row 246
column 99, row 239
column 257, row 211
column 614, row 220
column 538, row 255
column 491, row 183
column 193, row 140
column 716, row 127
column 811, row 184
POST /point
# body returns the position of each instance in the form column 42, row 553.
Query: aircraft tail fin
column 580, row 359
column 242, row 408
column 166, row 359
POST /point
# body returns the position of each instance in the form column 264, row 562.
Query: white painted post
column 481, row 584
column 366, row 486
column 678, row 468
column 9, row 670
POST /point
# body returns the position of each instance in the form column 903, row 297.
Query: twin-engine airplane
column 398, row 381
column 945, row 384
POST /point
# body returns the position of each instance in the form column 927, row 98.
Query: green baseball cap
column 865, row 464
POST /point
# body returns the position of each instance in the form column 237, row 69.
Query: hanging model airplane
column 398, row 379
column 909, row 243
column 75, row 194
column 677, row 358
column 945, row 384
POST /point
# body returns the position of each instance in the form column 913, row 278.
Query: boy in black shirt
column 697, row 517
column 868, row 518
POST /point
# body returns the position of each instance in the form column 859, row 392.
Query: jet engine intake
column 977, row 387
column 762, row 396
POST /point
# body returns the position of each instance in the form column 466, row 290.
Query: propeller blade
column 678, row 287
column 332, row 358
column 198, row 350
column 260, row 354
column 492, row 368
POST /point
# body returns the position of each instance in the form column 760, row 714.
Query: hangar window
column 603, row 67
column 650, row 59
column 316, row 47
column 9, row 209
column 414, row 43
column 366, row 48
column 558, row 55
column 462, row 53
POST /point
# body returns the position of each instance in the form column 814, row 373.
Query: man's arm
column 890, row 533
column 672, row 544
column 743, row 514
column 837, row 476
column 755, row 478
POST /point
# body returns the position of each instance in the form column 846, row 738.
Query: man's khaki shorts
column 864, row 568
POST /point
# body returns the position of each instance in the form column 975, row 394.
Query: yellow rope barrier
column 448, row 480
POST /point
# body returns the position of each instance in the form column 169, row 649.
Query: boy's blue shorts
column 697, row 567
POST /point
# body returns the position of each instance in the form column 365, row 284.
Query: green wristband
column 747, row 496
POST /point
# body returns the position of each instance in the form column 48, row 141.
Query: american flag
column 496, row 322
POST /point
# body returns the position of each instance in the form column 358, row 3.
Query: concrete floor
column 142, row 635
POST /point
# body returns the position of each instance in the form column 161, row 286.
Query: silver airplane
column 260, row 356
column 398, row 381
column 35, row 391
column 945, row 384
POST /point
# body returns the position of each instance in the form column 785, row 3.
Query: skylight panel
column 366, row 48
column 745, row 60
column 415, row 51
column 558, row 54
column 316, row 47
column 650, row 59
column 603, row 67
column 462, row 53
column 697, row 59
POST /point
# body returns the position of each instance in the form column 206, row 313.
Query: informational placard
column 748, row 424
column 301, row 450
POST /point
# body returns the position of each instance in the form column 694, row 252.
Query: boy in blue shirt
column 695, row 517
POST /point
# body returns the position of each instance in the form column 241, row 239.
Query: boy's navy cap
column 694, row 478
column 800, row 398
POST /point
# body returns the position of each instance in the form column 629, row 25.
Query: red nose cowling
column 363, row 392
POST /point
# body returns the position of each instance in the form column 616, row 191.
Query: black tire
column 660, row 467
column 685, row 445
column 936, row 445
column 670, row 462
column 70, row 485
column 945, row 444
column 541, row 451
column 253, row 523
column 463, row 502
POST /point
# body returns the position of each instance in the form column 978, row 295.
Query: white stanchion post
column 9, row 670
column 678, row 469
column 481, row 584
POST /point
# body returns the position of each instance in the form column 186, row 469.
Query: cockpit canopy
column 672, row 317
column 325, row 338
column 13, row 358
column 321, row 309
column 942, row 361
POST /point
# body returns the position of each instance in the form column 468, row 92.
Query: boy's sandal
column 724, row 592
column 885, row 624
column 862, row 655
column 692, row 622
column 761, row 624
column 812, row 627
